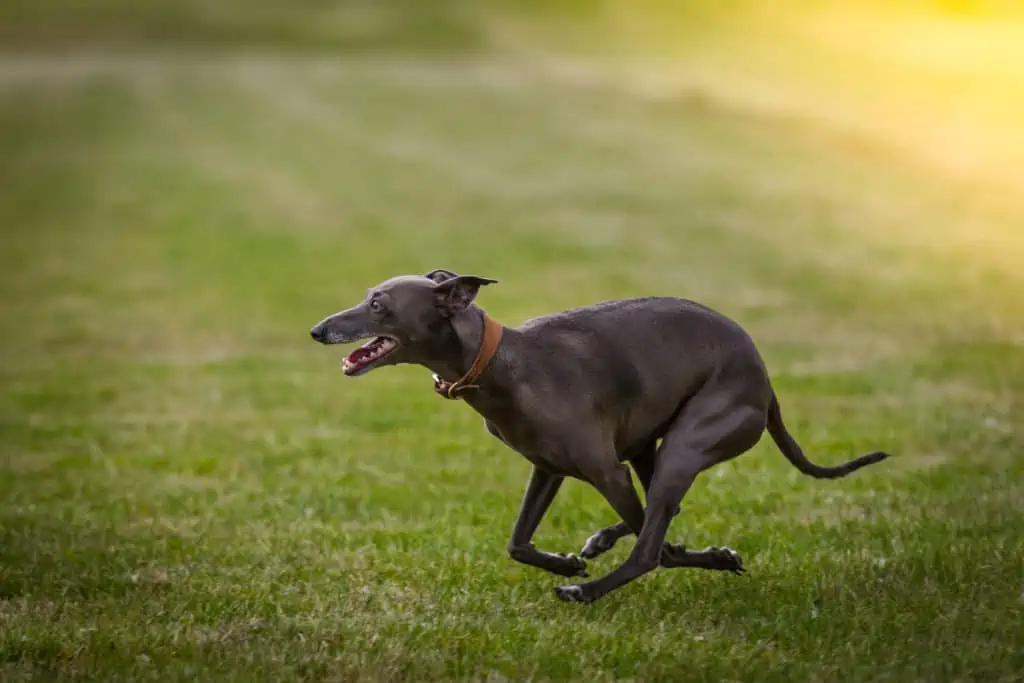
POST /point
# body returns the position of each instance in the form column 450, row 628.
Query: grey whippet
column 665, row 384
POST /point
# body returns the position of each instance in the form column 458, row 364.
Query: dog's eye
column 375, row 306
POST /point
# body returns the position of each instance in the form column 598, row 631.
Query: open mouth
column 363, row 358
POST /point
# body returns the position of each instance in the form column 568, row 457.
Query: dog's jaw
column 368, row 356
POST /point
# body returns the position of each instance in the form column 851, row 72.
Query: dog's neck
column 497, row 387
column 457, row 351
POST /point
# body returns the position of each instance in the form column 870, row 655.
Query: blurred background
column 187, row 187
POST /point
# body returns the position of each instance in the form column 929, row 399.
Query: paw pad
column 729, row 560
column 577, row 565
column 597, row 544
column 571, row 593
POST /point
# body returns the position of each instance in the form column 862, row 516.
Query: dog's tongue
column 367, row 353
column 357, row 354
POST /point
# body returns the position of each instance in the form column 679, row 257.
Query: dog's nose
column 317, row 333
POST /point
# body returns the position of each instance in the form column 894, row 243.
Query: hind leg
column 713, row 429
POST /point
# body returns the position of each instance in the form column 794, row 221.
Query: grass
column 191, row 490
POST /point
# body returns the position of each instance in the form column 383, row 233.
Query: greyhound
column 667, row 385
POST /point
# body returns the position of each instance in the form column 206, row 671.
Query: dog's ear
column 440, row 275
column 457, row 293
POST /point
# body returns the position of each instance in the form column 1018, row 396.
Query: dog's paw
column 598, row 544
column 728, row 560
column 672, row 555
column 572, row 593
column 574, row 566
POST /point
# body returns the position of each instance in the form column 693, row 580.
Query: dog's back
column 637, row 361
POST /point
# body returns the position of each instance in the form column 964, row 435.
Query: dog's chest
column 526, row 441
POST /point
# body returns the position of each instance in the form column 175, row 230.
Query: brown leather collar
column 488, row 347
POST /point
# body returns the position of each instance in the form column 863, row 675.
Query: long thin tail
column 791, row 449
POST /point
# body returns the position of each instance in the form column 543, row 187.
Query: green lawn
column 190, row 489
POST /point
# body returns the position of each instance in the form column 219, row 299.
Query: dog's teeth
column 368, row 354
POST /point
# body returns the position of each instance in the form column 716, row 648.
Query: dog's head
column 406, row 318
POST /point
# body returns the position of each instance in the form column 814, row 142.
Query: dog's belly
column 522, row 441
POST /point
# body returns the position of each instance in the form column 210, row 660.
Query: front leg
column 612, row 480
column 540, row 491
column 605, row 539
column 601, row 542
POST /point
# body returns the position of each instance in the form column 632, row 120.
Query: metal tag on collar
column 445, row 388
column 451, row 390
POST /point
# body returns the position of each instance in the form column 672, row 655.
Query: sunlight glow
column 940, row 84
